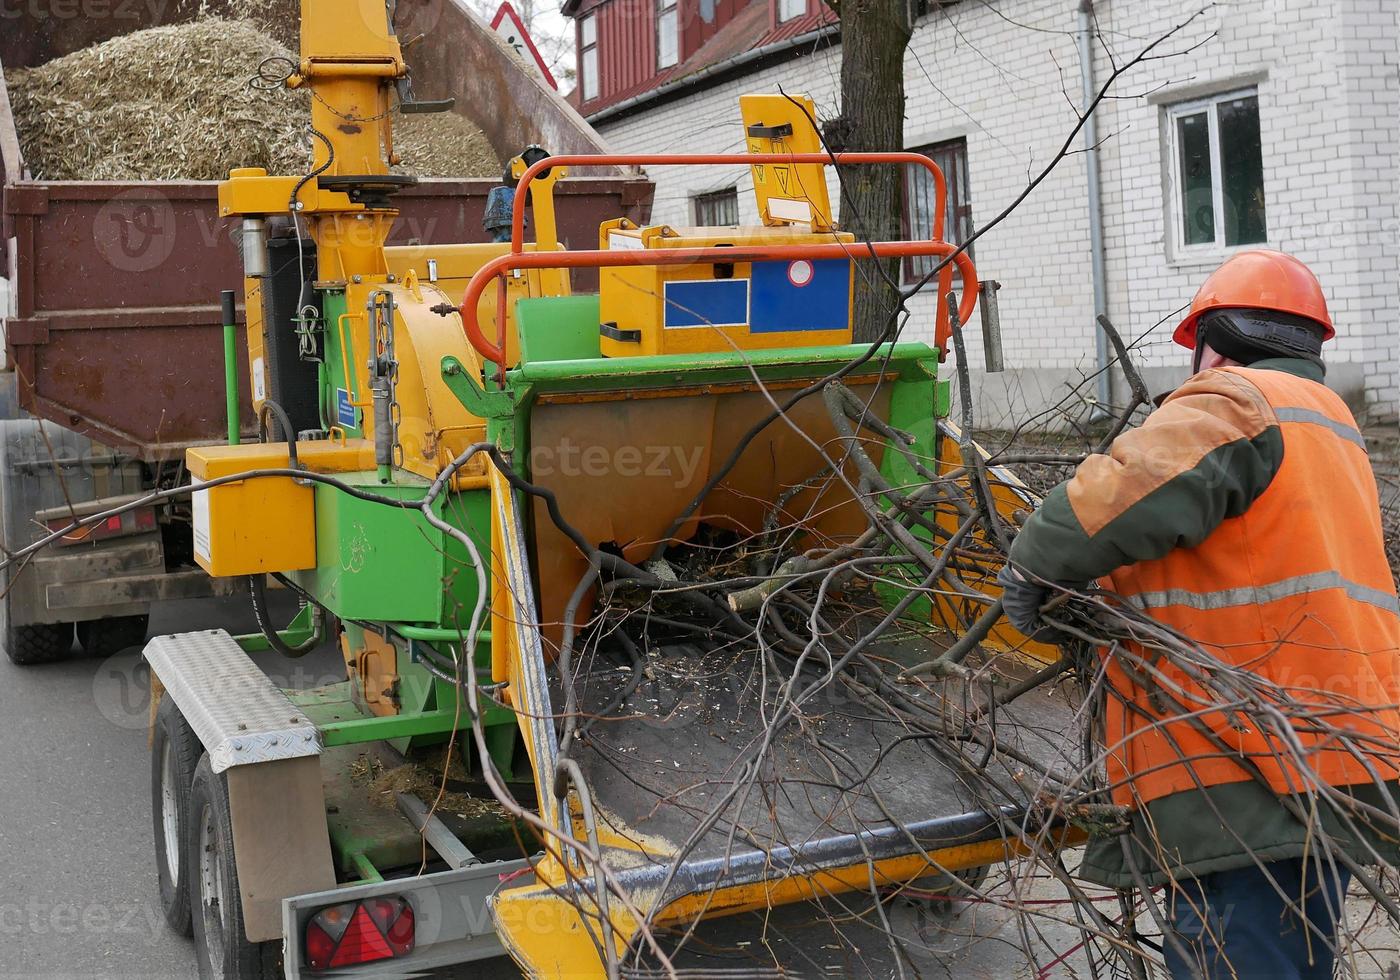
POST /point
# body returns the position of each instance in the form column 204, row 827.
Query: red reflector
column 394, row 917
column 319, row 947
column 113, row 523
column 344, row 935
column 362, row 942
column 146, row 518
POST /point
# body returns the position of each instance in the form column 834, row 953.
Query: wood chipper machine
column 497, row 497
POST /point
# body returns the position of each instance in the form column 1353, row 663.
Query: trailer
column 108, row 280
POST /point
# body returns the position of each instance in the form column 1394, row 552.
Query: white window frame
column 668, row 11
column 588, row 80
column 791, row 10
column 697, row 202
column 1175, row 214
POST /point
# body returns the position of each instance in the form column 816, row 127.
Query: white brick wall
column 1003, row 76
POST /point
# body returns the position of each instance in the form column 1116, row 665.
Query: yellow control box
column 262, row 524
column 703, row 307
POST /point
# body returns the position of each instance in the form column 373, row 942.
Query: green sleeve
column 1205, row 456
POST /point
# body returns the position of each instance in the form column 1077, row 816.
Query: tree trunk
column 874, row 36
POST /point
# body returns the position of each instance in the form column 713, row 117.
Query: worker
column 1243, row 514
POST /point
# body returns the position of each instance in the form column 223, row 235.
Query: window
column 717, row 209
column 668, row 39
column 791, row 10
column 588, row 57
column 1218, row 172
column 920, row 200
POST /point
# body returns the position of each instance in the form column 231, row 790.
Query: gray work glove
column 1021, row 600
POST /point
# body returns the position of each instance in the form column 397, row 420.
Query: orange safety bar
column 596, row 259
column 517, row 216
column 604, row 258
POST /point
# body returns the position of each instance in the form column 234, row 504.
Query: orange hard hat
column 1260, row 280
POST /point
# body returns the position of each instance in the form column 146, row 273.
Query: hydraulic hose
column 257, row 591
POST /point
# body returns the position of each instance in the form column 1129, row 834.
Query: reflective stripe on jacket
column 1292, row 585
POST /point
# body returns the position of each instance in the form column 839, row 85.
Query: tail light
column 359, row 932
column 137, row 521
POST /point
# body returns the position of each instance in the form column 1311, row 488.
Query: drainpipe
column 1104, row 387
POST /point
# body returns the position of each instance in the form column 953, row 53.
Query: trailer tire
column 222, row 948
column 105, row 637
column 175, row 752
column 38, row 643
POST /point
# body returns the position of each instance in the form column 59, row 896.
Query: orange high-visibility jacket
column 1296, row 589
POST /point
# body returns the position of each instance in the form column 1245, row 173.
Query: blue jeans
column 1235, row 924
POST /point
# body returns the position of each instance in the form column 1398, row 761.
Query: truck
column 573, row 512
column 107, row 279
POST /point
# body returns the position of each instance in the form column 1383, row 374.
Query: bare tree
column 874, row 36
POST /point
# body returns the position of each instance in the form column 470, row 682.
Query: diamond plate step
column 240, row 716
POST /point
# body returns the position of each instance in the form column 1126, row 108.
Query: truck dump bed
column 115, row 326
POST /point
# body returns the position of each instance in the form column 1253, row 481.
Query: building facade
column 1271, row 123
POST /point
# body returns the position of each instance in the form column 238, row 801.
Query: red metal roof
column 797, row 26
column 750, row 29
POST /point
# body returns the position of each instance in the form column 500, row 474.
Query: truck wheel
column 221, row 946
column 175, row 752
column 104, row 637
column 38, row 643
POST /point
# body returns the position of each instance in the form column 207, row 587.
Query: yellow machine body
column 262, row 524
column 710, row 307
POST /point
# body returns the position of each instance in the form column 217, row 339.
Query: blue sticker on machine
column 801, row 295
column 706, row 303
column 344, row 411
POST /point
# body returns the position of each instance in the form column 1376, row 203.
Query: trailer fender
column 269, row 755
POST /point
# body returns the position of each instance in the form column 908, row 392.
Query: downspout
column 1104, row 386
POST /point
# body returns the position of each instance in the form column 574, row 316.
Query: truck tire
column 105, row 637
column 175, row 752
column 38, row 643
column 221, row 947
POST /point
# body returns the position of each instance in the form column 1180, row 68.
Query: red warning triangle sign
column 362, row 942
column 508, row 24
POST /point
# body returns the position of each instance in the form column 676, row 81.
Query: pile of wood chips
column 176, row 103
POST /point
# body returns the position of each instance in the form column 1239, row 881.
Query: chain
column 267, row 80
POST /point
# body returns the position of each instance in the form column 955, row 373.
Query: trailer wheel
column 221, row 946
column 38, row 643
column 104, row 637
column 951, row 898
column 175, row 752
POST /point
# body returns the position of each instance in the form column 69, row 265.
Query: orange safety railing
column 518, row 259
column 517, row 217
